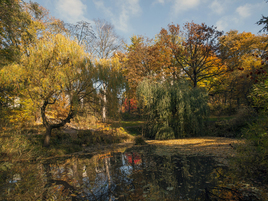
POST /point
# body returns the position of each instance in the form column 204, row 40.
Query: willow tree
column 52, row 68
column 113, row 85
column 173, row 109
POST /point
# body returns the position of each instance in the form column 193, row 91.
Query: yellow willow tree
column 52, row 68
column 113, row 85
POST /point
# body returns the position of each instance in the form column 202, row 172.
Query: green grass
column 220, row 118
column 125, row 124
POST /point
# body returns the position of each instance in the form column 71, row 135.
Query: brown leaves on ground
column 219, row 147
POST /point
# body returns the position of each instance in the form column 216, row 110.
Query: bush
column 139, row 140
column 252, row 157
column 234, row 127
column 165, row 133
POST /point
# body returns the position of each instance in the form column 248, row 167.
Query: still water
column 137, row 173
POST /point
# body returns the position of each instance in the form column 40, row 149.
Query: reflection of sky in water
column 126, row 168
column 133, row 172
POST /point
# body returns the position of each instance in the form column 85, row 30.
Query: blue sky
column 147, row 17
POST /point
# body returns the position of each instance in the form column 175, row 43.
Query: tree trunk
column 49, row 126
column 47, row 136
column 104, row 104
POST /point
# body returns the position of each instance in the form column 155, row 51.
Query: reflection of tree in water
column 136, row 174
column 231, row 187
column 177, row 177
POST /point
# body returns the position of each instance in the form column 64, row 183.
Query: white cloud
column 127, row 9
column 71, row 10
column 133, row 6
column 184, row 5
column 217, row 7
column 158, row 2
column 244, row 11
column 222, row 24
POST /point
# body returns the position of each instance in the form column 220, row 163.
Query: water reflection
column 136, row 174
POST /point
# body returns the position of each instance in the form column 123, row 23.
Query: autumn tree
column 144, row 58
column 52, row 67
column 240, row 53
column 111, row 77
column 196, row 53
column 104, row 45
column 15, row 29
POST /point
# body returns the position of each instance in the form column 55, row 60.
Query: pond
column 136, row 173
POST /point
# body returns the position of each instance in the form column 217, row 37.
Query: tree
column 14, row 29
column 52, row 67
column 263, row 21
column 106, row 42
column 195, row 53
column 82, row 31
column 112, row 78
column 104, row 45
column 144, row 58
column 238, row 51
column 172, row 109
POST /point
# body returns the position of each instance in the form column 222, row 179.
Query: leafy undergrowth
column 24, row 141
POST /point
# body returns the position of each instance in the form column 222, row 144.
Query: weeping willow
column 172, row 109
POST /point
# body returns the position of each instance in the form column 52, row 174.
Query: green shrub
column 139, row 141
column 165, row 133
column 233, row 127
column 252, row 157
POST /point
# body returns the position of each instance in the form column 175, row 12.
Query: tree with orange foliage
column 195, row 50
column 144, row 58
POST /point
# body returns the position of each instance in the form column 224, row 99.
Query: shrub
column 234, row 127
column 165, row 133
column 139, row 141
column 253, row 155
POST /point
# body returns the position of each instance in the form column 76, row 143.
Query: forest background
column 190, row 80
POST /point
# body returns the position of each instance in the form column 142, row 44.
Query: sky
column 147, row 17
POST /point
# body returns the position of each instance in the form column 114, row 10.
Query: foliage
column 195, row 53
column 139, row 141
column 263, row 21
column 129, row 105
column 52, row 68
column 259, row 95
column 14, row 30
column 143, row 59
column 244, row 68
column 172, row 105
column 233, row 127
column 113, row 84
column 252, row 156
